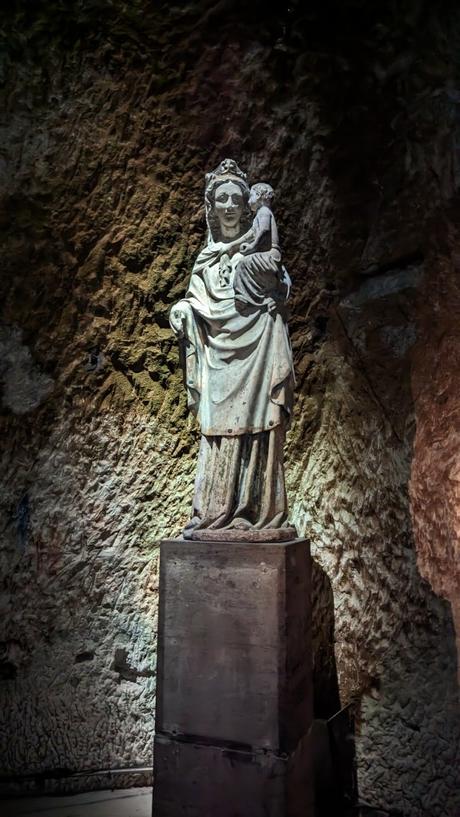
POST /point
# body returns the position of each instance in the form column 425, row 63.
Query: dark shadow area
column 333, row 729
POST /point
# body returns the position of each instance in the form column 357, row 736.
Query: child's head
column 260, row 194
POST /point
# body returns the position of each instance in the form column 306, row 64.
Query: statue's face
column 228, row 205
column 254, row 201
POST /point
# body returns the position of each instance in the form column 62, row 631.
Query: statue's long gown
column 239, row 379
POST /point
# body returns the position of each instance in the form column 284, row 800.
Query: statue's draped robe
column 239, row 379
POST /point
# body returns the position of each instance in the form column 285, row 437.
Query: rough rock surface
column 435, row 477
column 114, row 112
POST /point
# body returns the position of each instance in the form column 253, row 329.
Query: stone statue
column 238, row 365
column 257, row 277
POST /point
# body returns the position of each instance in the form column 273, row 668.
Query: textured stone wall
column 435, row 478
column 113, row 114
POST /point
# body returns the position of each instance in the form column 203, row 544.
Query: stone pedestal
column 234, row 689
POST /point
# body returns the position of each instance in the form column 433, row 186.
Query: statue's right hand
column 177, row 320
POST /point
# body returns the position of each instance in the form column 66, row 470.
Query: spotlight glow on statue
column 238, row 365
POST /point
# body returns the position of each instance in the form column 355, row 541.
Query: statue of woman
column 239, row 376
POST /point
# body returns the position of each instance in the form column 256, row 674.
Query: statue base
column 234, row 686
column 242, row 535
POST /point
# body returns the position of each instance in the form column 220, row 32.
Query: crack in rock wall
column 114, row 113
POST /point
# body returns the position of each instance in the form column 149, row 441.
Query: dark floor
column 123, row 803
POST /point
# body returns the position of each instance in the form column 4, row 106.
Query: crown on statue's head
column 227, row 169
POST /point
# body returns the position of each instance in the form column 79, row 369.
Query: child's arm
column 231, row 247
column 262, row 224
column 235, row 245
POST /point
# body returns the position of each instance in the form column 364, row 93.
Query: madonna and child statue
column 234, row 681
column 237, row 361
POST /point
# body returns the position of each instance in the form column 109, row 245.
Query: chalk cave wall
column 113, row 113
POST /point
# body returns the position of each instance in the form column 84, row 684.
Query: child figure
column 264, row 225
column 260, row 278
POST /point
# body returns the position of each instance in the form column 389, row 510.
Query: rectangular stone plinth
column 234, row 695
column 195, row 780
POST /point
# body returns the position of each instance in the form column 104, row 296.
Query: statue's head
column 261, row 193
column 226, row 200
